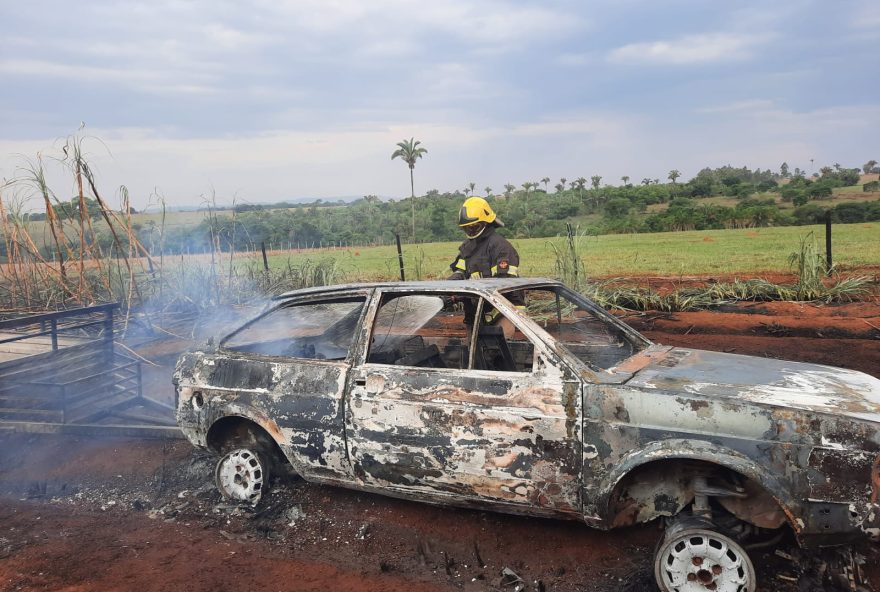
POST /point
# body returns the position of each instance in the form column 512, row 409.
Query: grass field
column 742, row 251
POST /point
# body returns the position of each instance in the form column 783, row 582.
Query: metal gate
column 60, row 372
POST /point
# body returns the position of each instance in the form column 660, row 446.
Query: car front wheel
column 242, row 475
column 698, row 559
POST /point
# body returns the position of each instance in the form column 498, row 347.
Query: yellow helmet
column 477, row 209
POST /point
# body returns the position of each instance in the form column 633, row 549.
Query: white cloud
column 691, row 49
column 576, row 59
column 285, row 164
column 451, row 81
column 738, row 106
column 767, row 116
column 866, row 15
column 155, row 81
column 765, row 137
column 295, row 98
column 478, row 23
column 832, row 120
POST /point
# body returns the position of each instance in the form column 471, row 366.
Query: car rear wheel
column 242, row 475
column 697, row 559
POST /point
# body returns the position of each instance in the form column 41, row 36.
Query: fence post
column 573, row 252
column 400, row 257
column 265, row 259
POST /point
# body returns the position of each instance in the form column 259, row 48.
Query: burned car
column 523, row 396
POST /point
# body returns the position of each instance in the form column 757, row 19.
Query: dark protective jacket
column 487, row 256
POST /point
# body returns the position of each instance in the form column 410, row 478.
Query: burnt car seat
column 427, row 357
column 493, row 352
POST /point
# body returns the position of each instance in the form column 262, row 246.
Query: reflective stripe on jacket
column 489, row 255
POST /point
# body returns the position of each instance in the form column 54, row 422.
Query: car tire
column 693, row 559
column 242, row 475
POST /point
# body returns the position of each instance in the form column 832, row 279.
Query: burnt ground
column 81, row 514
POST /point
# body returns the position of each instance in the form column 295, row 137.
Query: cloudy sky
column 266, row 100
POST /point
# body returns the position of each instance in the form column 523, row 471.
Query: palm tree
column 673, row 175
column 595, row 180
column 528, row 185
column 545, row 180
column 562, row 182
column 646, row 181
column 469, row 190
column 580, row 182
column 560, row 187
column 409, row 151
column 508, row 190
column 625, row 180
column 488, row 191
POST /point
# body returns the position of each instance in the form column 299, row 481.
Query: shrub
column 617, row 207
column 790, row 191
column 809, row 214
column 850, row 212
column 820, row 190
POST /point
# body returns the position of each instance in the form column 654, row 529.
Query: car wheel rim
column 697, row 560
column 240, row 476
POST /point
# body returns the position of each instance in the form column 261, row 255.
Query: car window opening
column 312, row 330
column 596, row 341
column 435, row 331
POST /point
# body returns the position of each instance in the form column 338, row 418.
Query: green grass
column 743, row 251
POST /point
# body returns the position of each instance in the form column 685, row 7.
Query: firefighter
column 485, row 253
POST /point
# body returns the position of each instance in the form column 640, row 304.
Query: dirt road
column 104, row 515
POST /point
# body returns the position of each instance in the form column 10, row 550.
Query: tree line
column 529, row 210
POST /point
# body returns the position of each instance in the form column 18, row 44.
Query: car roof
column 481, row 285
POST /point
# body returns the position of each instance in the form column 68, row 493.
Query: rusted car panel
column 509, row 440
column 642, row 433
column 294, row 405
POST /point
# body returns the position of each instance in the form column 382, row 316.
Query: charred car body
column 447, row 392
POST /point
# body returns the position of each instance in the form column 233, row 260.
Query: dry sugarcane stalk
column 162, row 251
column 7, row 239
column 85, row 218
column 39, row 262
column 108, row 213
column 231, row 248
column 131, row 282
column 38, row 177
column 104, row 212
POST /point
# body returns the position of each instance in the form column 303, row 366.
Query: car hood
column 779, row 383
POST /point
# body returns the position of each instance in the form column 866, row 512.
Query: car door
column 454, row 400
column 288, row 368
